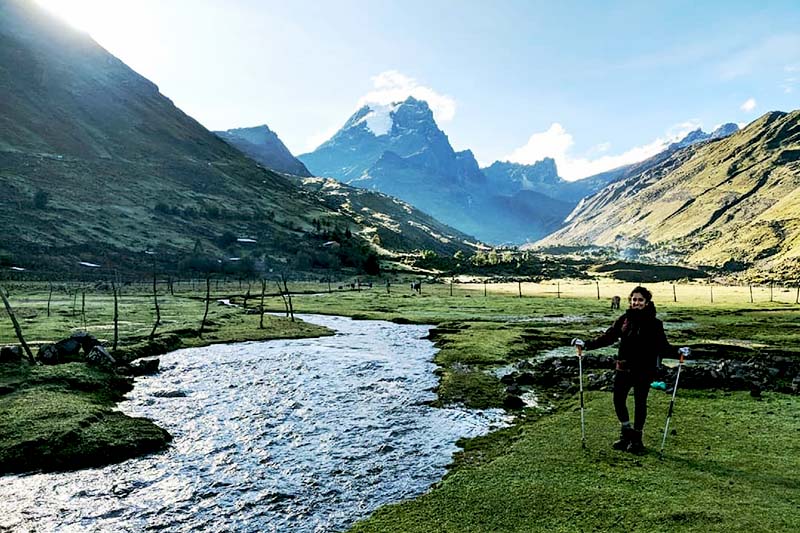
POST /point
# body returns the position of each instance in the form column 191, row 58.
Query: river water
column 282, row 436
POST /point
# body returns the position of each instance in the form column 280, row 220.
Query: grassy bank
column 63, row 416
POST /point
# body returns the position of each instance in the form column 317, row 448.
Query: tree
column 40, row 199
column 372, row 265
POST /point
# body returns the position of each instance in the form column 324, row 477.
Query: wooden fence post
column 289, row 296
column 116, row 316
column 751, row 293
column 17, row 329
column 158, row 309
column 263, row 289
column 674, row 294
column 208, row 298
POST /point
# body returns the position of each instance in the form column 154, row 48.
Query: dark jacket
column 642, row 340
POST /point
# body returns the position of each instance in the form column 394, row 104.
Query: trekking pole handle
column 580, row 350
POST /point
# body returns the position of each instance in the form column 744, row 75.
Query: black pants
column 624, row 381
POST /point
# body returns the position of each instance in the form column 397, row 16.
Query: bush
column 40, row 199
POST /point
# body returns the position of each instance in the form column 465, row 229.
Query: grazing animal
column 615, row 302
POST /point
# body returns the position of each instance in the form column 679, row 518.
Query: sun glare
column 84, row 15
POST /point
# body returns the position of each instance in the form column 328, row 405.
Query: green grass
column 732, row 466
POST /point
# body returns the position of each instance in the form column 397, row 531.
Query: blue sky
column 594, row 84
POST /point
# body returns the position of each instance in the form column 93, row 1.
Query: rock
column 86, row 340
column 513, row 402
column 169, row 394
column 99, row 356
column 796, row 384
column 68, row 348
column 144, row 367
column 10, row 354
column 514, row 389
column 48, row 354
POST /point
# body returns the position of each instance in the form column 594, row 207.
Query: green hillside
column 737, row 199
column 98, row 167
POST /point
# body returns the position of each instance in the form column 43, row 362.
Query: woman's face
column 638, row 301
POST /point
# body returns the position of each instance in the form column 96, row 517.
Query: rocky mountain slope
column 262, row 145
column 97, row 168
column 733, row 201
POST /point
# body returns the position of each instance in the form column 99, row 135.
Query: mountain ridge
column 734, row 199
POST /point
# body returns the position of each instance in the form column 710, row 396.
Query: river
column 302, row 435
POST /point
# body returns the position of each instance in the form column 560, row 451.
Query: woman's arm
column 608, row 338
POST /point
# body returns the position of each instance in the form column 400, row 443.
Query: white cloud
column 392, row 86
column 791, row 78
column 748, row 105
column 316, row 139
column 768, row 54
column 556, row 142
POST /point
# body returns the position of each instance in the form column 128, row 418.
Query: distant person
column 642, row 342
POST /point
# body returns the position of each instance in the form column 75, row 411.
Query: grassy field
column 731, row 466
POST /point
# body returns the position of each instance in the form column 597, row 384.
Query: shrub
column 40, row 199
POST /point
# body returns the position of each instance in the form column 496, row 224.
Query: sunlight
column 124, row 28
column 84, row 15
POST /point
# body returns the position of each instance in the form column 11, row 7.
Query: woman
column 642, row 343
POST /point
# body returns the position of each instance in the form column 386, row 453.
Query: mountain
column 263, row 146
column 698, row 135
column 97, row 168
column 734, row 200
column 542, row 177
column 389, row 223
column 399, row 150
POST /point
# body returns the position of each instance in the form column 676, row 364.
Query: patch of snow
column 18, row 269
column 87, row 264
column 429, row 231
column 379, row 120
column 246, row 240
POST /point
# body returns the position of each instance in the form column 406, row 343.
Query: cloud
column 556, row 142
column 392, row 86
column 748, row 105
column 791, row 78
column 768, row 54
column 315, row 140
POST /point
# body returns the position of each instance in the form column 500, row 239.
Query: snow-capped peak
column 379, row 119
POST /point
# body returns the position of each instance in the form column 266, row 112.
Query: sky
column 593, row 84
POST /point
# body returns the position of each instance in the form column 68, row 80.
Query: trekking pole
column 683, row 352
column 580, row 377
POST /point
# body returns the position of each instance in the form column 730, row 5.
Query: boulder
column 144, row 367
column 99, row 356
column 68, row 348
column 86, row 340
column 48, row 354
column 10, row 354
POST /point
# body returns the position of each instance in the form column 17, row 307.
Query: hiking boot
column 624, row 439
column 636, row 446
